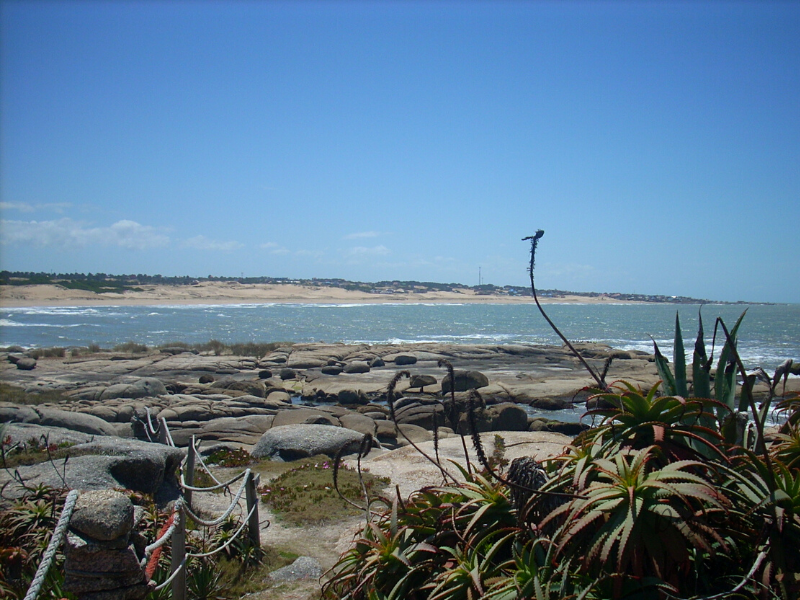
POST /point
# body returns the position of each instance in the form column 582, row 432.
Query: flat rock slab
column 304, row 567
column 110, row 463
column 21, row 433
column 292, row 442
column 54, row 417
column 410, row 470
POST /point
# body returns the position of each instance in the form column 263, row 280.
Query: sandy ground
column 237, row 293
column 406, row 468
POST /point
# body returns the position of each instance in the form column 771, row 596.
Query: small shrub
column 203, row 480
column 32, row 452
column 238, row 579
column 131, row 347
column 38, row 353
column 230, row 458
column 15, row 395
column 214, row 346
column 498, row 460
column 25, row 529
column 183, row 345
column 254, row 348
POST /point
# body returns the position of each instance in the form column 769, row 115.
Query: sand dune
column 237, row 293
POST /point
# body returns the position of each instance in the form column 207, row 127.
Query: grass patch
column 255, row 348
column 226, row 458
column 131, row 347
column 183, row 345
column 304, row 495
column 236, row 349
column 32, row 452
column 214, row 346
column 15, row 395
column 238, row 579
column 38, row 353
column 99, row 287
column 230, row 458
column 85, row 350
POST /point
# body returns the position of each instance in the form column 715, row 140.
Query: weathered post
column 252, row 504
column 188, row 474
column 178, row 555
column 162, row 432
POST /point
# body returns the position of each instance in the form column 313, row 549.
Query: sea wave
column 9, row 323
column 50, row 310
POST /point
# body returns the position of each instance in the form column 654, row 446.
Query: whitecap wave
column 9, row 323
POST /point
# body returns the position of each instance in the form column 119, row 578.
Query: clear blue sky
column 657, row 144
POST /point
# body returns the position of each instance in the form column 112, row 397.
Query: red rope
column 152, row 564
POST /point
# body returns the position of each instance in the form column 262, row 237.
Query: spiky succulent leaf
column 679, row 359
column 725, row 378
column 664, row 372
column 701, row 382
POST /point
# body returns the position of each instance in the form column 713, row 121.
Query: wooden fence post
column 162, row 432
column 188, row 475
column 178, row 555
column 252, row 503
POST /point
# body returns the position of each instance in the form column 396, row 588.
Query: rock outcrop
column 101, row 557
column 105, row 462
column 343, row 386
column 291, row 442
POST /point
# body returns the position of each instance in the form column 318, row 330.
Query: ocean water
column 769, row 334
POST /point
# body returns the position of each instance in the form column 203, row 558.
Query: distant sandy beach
column 237, row 293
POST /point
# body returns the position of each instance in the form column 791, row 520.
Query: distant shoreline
column 48, row 295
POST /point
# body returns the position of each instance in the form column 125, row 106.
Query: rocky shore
column 236, row 399
column 288, row 403
column 303, row 399
column 298, row 400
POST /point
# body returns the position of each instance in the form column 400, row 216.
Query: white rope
column 186, row 456
column 230, row 541
column 167, row 534
column 199, row 459
column 149, row 424
column 175, row 573
column 226, row 514
column 52, row 547
column 215, row 487
column 167, row 434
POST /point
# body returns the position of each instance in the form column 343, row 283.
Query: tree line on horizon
column 104, row 283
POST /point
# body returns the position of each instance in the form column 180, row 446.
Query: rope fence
column 186, row 486
column 52, row 547
column 175, row 532
column 165, row 537
column 183, row 509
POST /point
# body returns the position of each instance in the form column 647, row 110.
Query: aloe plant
column 653, row 503
column 680, row 427
column 725, row 377
column 676, row 384
column 613, row 526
